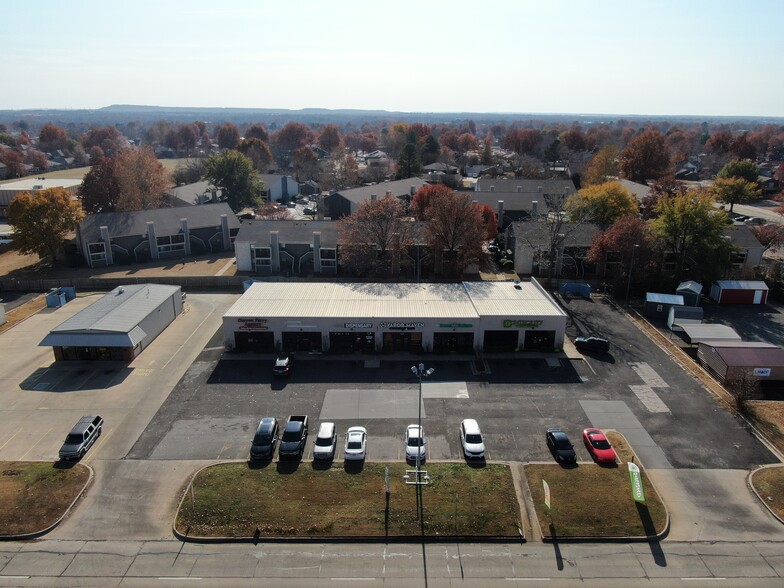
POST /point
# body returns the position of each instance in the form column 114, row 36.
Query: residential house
column 530, row 244
column 639, row 191
column 279, row 187
column 768, row 185
column 309, row 188
column 527, row 199
column 345, row 202
column 440, row 167
column 192, row 194
column 109, row 238
column 749, row 250
column 477, row 171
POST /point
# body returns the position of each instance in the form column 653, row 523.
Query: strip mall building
column 388, row 318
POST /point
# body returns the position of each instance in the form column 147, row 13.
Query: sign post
column 636, row 480
column 546, row 494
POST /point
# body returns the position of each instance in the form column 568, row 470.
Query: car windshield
column 415, row 441
column 600, row 443
column 262, row 439
column 355, row 445
column 291, row 436
column 324, row 441
column 473, row 438
column 562, row 443
column 73, row 438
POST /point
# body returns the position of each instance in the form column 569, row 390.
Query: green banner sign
column 636, row 479
column 546, row 494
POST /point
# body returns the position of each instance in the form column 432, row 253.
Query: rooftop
column 40, row 184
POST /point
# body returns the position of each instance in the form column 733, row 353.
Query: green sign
column 636, row 479
column 520, row 324
column 546, row 494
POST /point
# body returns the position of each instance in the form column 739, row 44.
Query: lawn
column 769, row 483
column 301, row 500
column 36, row 494
column 595, row 501
column 768, row 416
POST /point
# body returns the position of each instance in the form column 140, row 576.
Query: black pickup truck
column 295, row 433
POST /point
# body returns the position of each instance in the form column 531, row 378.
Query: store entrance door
column 539, row 340
column 410, row 342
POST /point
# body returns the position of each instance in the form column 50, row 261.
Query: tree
column 553, row 151
column 523, row 141
column 645, row 157
column 305, row 162
column 143, row 181
column 257, row 131
column 233, row 174
column 430, row 150
column 603, row 165
column 740, row 168
column 771, row 235
column 37, row 159
column 719, row 142
column 487, row 150
column 329, row 138
column 602, row 204
column 41, row 221
column 189, row 172
column 258, row 152
column 341, row 171
column 374, row 237
column 424, row 196
column 742, row 149
column 734, row 191
column 689, row 227
column 14, row 160
column 52, row 138
column 574, row 139
column 456, row 231
column 100, row 188
column 228, row 136
column 107, row 138
column 290, row 137
column 626, row 237
column 409, row 164
column 187, row 136
column 489, row 221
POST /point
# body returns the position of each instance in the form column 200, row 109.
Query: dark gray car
column 265, row 439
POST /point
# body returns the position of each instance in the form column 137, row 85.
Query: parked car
column 265, row 439
column 326, row 440
column 596, row 344
column 416, row 443
column 284, row 364
column 84, row 433
column 598, row 446
column 295, row 433
column 559, row 444
column 471, row 439
column 356, row 443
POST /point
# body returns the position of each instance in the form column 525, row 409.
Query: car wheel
column 81, row 453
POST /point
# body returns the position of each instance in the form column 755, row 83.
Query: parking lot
column 637, row 389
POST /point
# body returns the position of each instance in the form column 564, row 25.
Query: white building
column 11, row 190
column 387, row 318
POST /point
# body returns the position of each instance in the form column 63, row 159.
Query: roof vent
column 120, row 290
column 517, row 284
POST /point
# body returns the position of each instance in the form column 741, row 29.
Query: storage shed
column 731, row 359
column 699, row 333
column 118, row 326
column 684, row 315
column 739, row 292
column 691, row 291
column 657, row 306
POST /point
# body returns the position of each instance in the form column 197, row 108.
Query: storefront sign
column 402, row 326
column 512, row 324
column 762, row 372
column 252, row 324
column 635, row 479
column 358, row 325
column 455, row 326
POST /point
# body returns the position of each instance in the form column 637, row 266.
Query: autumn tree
column 601, row 204
column 258, row 152
column 108, row 139
column 100, row 189
column 228, row 136
column 489, row 221
column 143, row 181
column 603, row 165
column 523, row 141
column 456, row 231
column 14, row 161
column 37, row 159
column 719, row 142
column 329, row 138
column 424, row 196
column 257, row 131
column 305, row 163
column 690, row 228
column 742, row 149
column 734, row 191
column 574, row 139
column 187, row 137
column 628, row 236
column 409, row 165
column 41, row 221
column 189, row 172
column 374, row 237
column 487, row 150
column 645, row 157
column 341, row 171
column 52, row 138
column 290, row 137
column 770, row 236
column 233, row 174
column 740, row 168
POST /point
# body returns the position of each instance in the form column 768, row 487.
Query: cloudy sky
column 689, row 57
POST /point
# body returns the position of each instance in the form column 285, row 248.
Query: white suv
column 471, row 439
column 326, row 440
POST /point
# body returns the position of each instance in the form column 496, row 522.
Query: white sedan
column 416, row 444
column 356, row 443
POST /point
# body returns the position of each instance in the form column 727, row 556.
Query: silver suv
column 84, row 433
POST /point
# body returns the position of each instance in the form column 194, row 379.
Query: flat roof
column 659, row 298
column 468, row 300
column 699, row 333
column 742, row 285
column 40, row 184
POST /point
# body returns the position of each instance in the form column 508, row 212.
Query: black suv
column 561, row 447
column 265, row 439
column 596, row 344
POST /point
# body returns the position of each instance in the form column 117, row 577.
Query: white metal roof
column 742, row 285
column 94, row 339
column 40, row 184
column 345, row 300
column 703, row 332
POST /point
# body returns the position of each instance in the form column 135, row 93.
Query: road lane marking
column 177, row 578
column 649, row 398
column 36, row 443
column 648, row 375
column 11, row 437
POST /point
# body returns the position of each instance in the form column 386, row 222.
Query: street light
column 631, row 268
column 420, row 372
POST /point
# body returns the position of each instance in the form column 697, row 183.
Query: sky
column 679, row 57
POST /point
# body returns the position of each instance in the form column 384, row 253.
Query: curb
column 36, row 534
column 750, row 484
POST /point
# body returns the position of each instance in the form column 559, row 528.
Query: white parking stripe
column 649, row 398
column 648, row 375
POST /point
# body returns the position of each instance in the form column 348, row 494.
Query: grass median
column 769, row 484
column 36, row 494
column 308, row 500
column 590, row 500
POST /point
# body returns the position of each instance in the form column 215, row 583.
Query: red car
column 598, row 446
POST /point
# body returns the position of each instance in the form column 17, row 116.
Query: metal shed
column 691, row 291
column 699, row 333
column 657, row 306
column 739, row 292
column 684, row 315
column 732, row 359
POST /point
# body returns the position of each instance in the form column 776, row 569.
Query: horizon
column 507, row 58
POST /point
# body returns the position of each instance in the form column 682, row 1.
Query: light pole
column 420, row 372
column 631, row 268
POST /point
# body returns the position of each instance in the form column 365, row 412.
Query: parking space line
column 34, row 444
column 99, row 444
column 225, row 445
column 11, row 437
